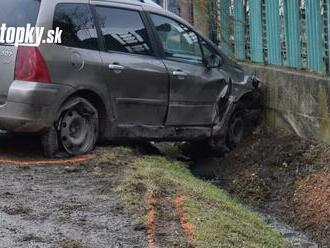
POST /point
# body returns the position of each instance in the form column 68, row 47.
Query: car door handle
column 180, row 74
column 116, row 67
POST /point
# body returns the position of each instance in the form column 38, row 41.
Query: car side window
column 77, row 23
column 123, row 31
column 178, row 41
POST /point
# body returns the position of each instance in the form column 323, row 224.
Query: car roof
column 134, row 2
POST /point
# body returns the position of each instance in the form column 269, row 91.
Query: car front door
column 137, row 79
column 194, row 88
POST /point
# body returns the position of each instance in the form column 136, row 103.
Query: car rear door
column 137, row 79
column 194, row 88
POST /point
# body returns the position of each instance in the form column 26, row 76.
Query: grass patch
column 219, row 220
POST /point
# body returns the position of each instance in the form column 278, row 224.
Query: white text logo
column 29, row 35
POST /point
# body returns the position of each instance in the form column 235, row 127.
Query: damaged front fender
column 245, row 94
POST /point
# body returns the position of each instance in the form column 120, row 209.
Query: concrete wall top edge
column 286, row 70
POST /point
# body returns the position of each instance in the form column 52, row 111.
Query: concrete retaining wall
column 296, row 101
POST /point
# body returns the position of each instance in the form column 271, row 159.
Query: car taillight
column 30, row 65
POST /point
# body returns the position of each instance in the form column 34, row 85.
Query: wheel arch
column 97, row 101
column 250, row 99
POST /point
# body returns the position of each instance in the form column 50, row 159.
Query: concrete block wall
column 296, row 101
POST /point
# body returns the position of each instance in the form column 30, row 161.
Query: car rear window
column 77, row 22
column 19, row 13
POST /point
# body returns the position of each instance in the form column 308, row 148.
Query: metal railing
column 291, row 33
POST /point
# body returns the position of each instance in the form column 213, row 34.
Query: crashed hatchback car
column 125, row 70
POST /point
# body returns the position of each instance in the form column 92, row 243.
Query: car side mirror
column 213, row 61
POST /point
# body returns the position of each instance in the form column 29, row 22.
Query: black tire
column 75, row 132
column 50, row 143
column 238, row 127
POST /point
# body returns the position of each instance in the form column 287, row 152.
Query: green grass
column 219, row 220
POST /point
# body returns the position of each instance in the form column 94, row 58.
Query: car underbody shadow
column 20, row 146
column 202, row 161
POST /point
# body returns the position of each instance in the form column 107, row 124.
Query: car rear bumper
column 30, row 106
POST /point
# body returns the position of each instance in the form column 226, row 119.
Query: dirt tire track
column 187, row 227
column 70, row 161
column 167, row 225
column 151, row 216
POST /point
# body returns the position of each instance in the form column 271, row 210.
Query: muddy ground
column 64, row 206
column 282, row 175
column 76, row 205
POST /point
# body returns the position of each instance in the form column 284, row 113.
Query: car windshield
column 19, row 13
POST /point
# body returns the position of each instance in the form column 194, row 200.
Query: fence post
column 273, row 32
column 255, row 31
column 292, row 29
column 224, row 18
column 239, row 28
column 314, row 35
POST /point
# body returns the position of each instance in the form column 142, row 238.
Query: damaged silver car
column 125, row 70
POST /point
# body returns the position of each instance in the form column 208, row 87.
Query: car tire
column 75, row 131
column 238, row 127
column 50, row 143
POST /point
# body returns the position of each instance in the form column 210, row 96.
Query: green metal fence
column 292, row 33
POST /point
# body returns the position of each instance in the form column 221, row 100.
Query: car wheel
column 75, row 132
column 237, row 128
column 50, row 144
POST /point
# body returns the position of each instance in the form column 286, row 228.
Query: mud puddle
column 296, row 238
